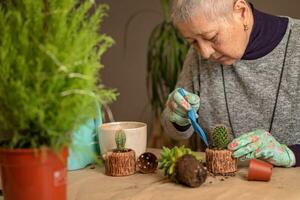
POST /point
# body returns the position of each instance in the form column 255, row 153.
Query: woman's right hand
column 178, row 106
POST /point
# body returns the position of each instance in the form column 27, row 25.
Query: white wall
column 279, row 7
column 126, row 70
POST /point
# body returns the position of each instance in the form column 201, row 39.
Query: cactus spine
column 220, row 137
column 120, row 138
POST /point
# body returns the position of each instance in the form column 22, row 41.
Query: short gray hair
column 184, row 10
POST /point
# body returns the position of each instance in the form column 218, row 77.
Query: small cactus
column 220, row 137
column 120, row 138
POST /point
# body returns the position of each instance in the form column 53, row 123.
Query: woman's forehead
column 198, row 26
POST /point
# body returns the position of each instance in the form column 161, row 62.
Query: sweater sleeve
column 185, row 80
column 296, row 150
column 174, row 133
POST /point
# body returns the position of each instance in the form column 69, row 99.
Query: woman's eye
column 193, row 42
column 212, row 39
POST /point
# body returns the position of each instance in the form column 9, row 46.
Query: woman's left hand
column 262, row 145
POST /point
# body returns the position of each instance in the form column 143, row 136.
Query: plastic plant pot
column 30, row 174
column 259, row 170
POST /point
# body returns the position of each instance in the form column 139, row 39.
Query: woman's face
column 223, row 40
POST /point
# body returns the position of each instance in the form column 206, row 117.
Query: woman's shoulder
column 192, row 57
column 192, row 52
column 294, row 24
column 293, row 40
column 294, row 29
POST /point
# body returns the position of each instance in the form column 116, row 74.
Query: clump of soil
column 121, row 151
column 189, row 171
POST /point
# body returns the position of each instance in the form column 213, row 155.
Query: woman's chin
column 228, row 61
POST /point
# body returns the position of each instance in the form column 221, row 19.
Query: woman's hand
column 261, row 144
column 177, row 106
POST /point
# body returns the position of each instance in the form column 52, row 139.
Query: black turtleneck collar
column 267, row 32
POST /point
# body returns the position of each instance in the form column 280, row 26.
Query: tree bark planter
column 220, row 162
column 120, row 163
column 29, row 174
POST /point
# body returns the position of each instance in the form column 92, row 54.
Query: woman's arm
column 296, row 150
column 185, row 81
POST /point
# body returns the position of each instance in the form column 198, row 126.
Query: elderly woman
column 243, row 70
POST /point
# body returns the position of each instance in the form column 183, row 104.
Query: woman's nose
column 205, row 49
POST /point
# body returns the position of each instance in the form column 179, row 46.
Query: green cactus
column 120, row 138
column 220, row 137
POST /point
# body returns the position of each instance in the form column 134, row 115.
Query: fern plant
column 49, row 68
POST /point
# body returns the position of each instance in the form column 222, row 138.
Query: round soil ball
column 189, row 171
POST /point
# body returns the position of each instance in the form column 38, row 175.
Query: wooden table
column 93, row 184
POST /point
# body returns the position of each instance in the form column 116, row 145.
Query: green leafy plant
column 120, row 138
column 182, row 165
column 166, row 52
column 49, row 70
column 220, row 137
column 165, row 55
column 168, row 158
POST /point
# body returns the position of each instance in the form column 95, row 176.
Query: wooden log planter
column 120, row 163
column 220, row 162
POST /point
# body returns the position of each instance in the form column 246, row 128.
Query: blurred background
column 130, row 23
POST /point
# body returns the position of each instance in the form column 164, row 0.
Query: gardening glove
column 262, row 145
column 178, row 106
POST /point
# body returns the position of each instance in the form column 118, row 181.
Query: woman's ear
column 241, row 9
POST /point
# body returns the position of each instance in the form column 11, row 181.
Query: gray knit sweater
column 251, row 87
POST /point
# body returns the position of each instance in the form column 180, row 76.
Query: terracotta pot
column 259, row 170
column 29, row 174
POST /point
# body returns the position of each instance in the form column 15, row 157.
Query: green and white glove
column 262, row 145
column 177, row 106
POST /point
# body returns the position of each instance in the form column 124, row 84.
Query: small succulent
column 182, row 165
column 120, row 138
column 220, row 137
column 168, row 158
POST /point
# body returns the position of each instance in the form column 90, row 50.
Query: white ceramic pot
column 136, row 136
